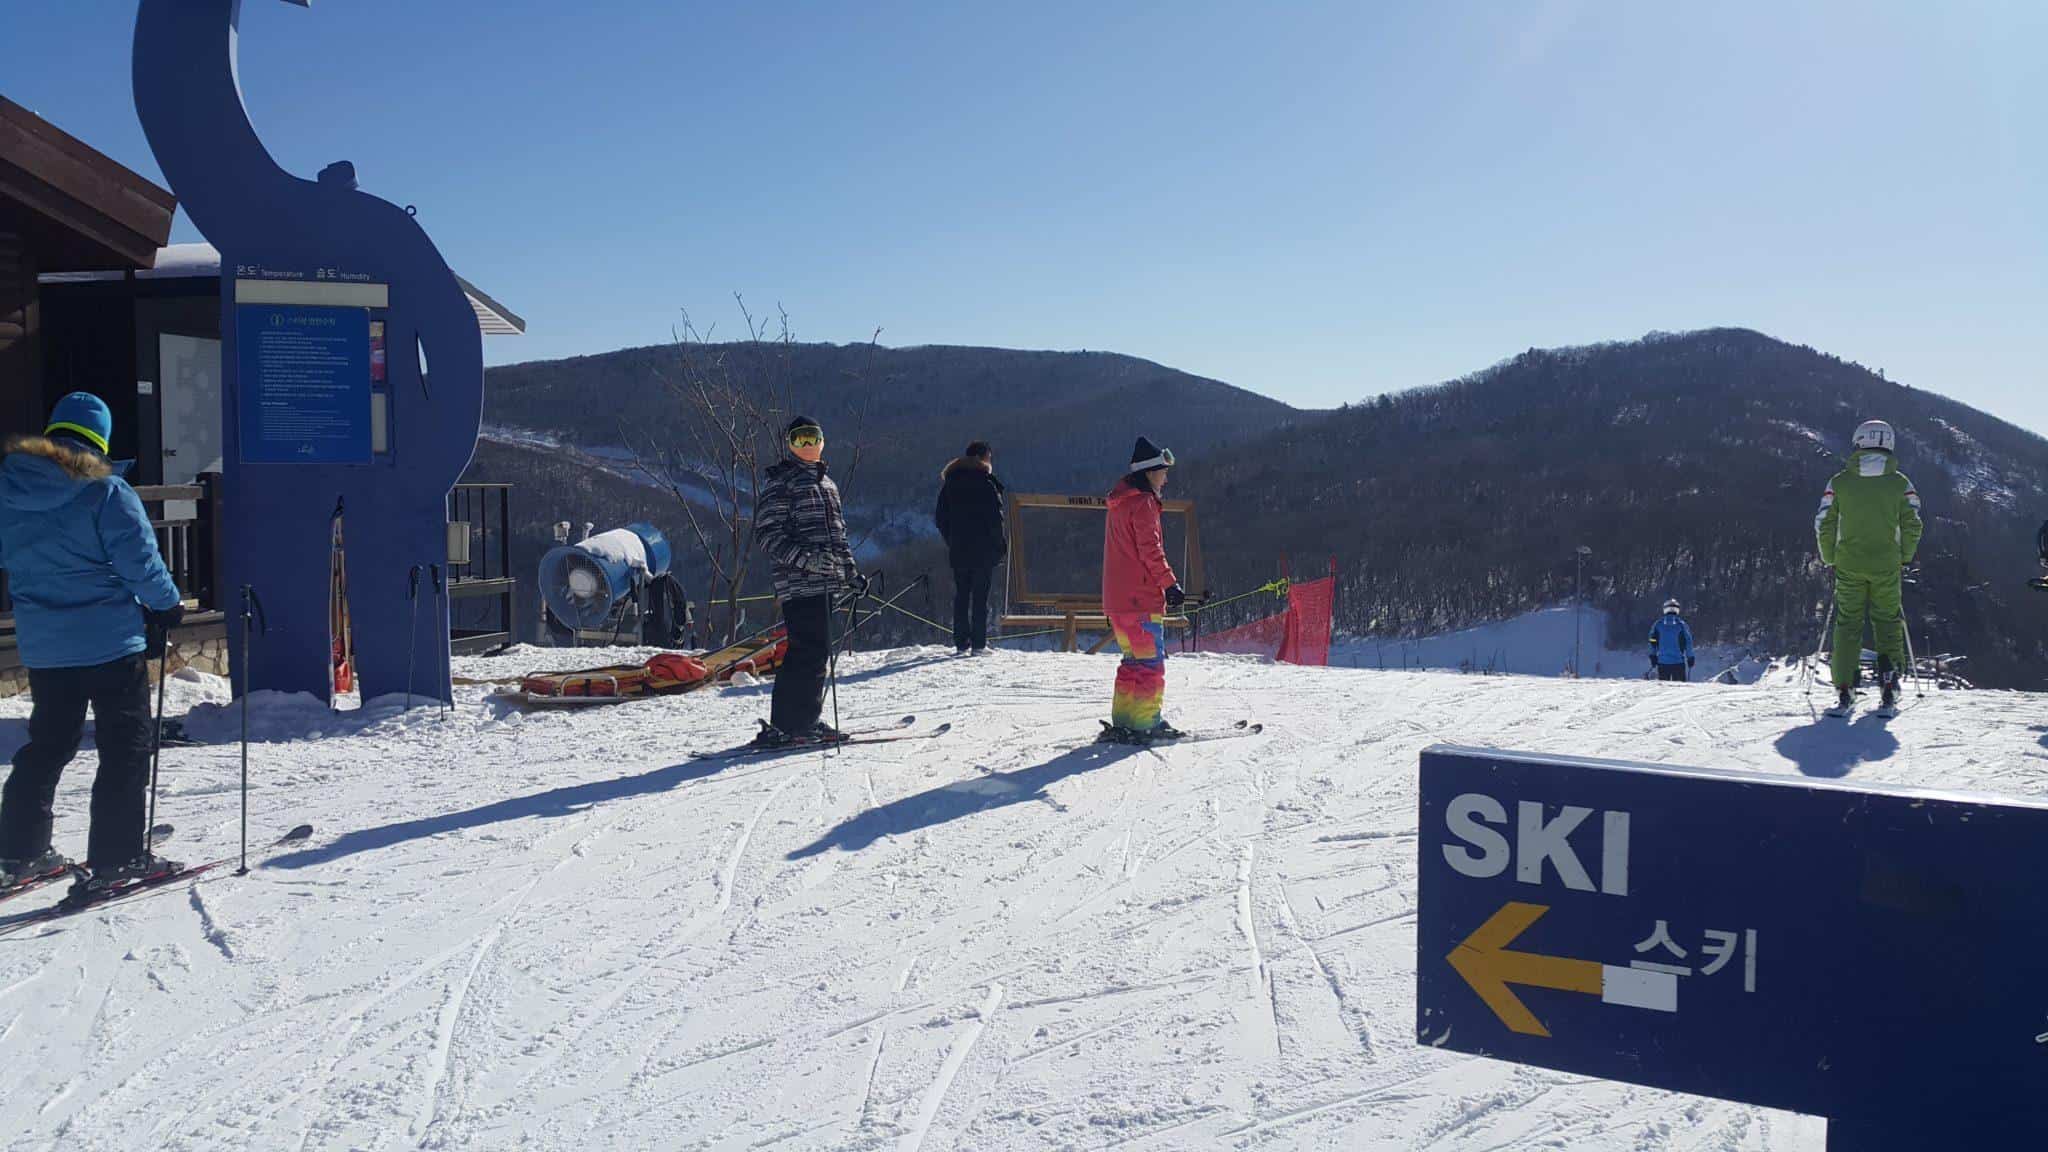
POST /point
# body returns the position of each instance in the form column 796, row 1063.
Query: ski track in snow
column 934, row 1096
column 555, row 932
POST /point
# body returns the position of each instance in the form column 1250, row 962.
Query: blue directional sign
column 1876, row 957
column 304, row 384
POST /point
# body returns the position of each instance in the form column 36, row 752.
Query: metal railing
column 482, row 590
column 184, row 516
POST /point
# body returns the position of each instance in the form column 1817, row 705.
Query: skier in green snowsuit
column 1868, row 528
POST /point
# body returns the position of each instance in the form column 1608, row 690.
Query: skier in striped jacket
column 801, row 527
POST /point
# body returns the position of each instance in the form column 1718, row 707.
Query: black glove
column 856, row 581
column 1691, row 660
column 1176, row 596
column 156, row 629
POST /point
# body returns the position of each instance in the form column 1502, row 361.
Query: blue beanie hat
column 84, row 416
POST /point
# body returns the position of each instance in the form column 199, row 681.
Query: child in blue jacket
column 92, row 603
column 1671, row 645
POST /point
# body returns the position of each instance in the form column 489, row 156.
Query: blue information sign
column 1876, row 957
column 304, row 384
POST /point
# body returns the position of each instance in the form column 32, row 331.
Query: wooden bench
column 1072, row 624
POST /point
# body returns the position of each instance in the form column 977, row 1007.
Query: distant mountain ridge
column 1690, row 463
column 1060, row 422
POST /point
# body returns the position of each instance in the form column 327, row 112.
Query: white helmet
column 1875, row 434
column 1671, row 607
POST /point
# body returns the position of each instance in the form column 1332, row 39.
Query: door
column 189, row 399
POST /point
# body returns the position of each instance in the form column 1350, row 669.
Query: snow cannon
column 584, row 582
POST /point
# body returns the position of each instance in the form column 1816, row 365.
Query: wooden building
column 92, row 300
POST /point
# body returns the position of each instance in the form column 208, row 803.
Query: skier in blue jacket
column 1671, row 650
column 92, row 603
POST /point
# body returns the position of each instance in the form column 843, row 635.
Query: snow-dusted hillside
column 556, row 932
column 1538, row 643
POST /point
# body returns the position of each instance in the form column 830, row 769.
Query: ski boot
column 100, row 883
column 48, row 866
column 1117, row 734
column 1845, row 701
column 823, row 733
column 1162, row 732
column 1157, row 734
column 772, row 737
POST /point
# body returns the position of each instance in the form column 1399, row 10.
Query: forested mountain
column 1059, row 420
column 1690, row 464
column 568, row 432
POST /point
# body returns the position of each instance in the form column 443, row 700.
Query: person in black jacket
column 800, row 525
column 970, row 520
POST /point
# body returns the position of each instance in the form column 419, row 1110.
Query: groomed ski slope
column 556, row 932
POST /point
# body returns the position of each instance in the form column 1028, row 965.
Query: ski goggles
column 808, row 436
column 1163, row 460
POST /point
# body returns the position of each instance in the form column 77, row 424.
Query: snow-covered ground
column 1538, row 643
column 555, row 931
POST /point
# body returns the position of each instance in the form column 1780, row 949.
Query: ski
column 70, row 907
column 34, row 882
column 893, row 733
column 157, row 835
column 1114, row 735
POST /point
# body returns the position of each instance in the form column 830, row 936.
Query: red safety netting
column 1300, row 635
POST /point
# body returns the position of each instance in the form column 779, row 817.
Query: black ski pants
column 800, row 683
column 1671, row 672
column 118, row 694
column 970, row 607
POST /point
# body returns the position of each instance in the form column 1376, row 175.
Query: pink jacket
column 1135, row 574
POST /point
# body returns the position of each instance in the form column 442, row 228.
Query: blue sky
column 1319, row 201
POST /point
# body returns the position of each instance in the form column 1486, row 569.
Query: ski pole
column 412, row 634
column 1912, row 661
column 156, row 742
column 839, row 641
column 892, row 602
column 252, row 610
column 1826, row 620
column 441, row 690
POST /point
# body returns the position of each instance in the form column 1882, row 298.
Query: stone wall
column 203, row 645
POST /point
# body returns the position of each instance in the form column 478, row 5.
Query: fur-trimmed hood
column 40, row 472
column 967, row 463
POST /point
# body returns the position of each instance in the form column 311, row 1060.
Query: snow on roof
column 202, row 260
column 178, row 261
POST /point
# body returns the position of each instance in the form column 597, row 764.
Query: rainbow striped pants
column 1141, row 678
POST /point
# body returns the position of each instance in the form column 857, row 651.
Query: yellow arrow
column 1486, row 964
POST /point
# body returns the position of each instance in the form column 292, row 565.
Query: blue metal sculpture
column 303, row 244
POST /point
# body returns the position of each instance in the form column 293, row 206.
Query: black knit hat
column 802, row 422
column 1147, row 456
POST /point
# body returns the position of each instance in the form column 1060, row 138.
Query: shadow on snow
column 963, row 798
column 553, row 803
column 1832, row 749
